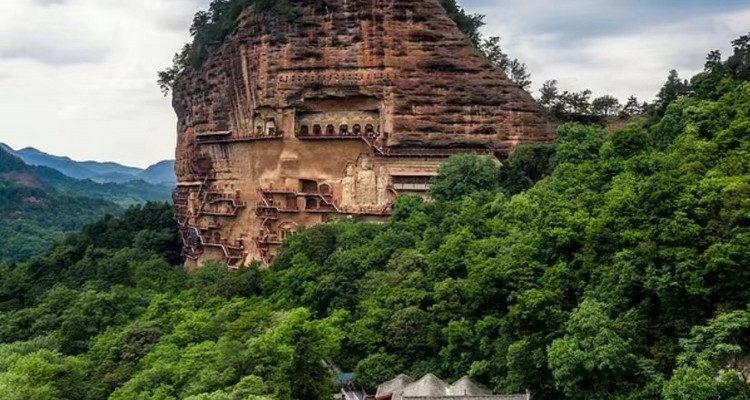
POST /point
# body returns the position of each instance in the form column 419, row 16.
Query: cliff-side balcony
column 272, row 191
column 213, row 197
column 376, row 211
column 179, row 198
column 220, row 213
column 191, row 252
column 218, row 241
column 268, row 240
column 212, row 134
column 267, row 212
column 430, row 152
column 209, row 227
column 277, row 135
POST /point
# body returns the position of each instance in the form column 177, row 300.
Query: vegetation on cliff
column 211, row 27
column 578, row 106
column 608, row 266
column 620, row 275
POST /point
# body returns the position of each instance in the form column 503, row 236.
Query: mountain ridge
column 160, row 173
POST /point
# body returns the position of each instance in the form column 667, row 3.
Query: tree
column 672, row 90
column 713, row 62
column 592, row 361
column 516, row 70
column 606, row 105
column 494, row 52
column 738, row 63
column 526, row 166
column 711, row 365
column 463, row 175
column 576, row 102
column 469, row 24
column 549, row 94
column 577, row 143
column 632, row 107
column 168, row 77
column 519, row 74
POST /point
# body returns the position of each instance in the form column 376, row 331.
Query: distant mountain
column 35, row 213
column 161, row 173
column 41, row 204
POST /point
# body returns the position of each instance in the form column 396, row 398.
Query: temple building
column 330, row 115
column 430, row 387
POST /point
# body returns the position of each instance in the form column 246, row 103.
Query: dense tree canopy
column 41, row 205
column 608, row 266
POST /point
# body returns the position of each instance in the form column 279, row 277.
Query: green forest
column 41, row 205
column 612, row 265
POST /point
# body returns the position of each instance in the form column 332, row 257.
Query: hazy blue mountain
column 161, row 173
column 65, row 165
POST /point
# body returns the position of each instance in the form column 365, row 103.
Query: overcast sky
column 77, row 77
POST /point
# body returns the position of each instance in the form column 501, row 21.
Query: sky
column 77, row 77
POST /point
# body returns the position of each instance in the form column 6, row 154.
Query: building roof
column 403, row 386
column 467, row 387
column 396, row 384
column 428, row 386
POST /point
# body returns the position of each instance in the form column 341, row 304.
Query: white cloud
column 49, row 35
column 632, row 58
column 80, row 77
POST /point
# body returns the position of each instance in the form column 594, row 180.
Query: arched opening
column 270, row 127
column 370, row 130
column 324, row 189
column 357, row 129
column 330, row 130
column 311, row 203
column 344, row 130
column 317, row 130
column 304, row 130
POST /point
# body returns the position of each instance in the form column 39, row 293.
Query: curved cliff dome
column 352, row 101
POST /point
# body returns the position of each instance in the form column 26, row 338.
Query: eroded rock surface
column 335, row 113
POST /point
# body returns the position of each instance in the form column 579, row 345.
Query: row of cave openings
column 343, row 130
column 317, row 130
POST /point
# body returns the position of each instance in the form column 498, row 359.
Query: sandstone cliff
column 281, row 100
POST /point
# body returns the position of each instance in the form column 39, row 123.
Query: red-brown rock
column 358, row 98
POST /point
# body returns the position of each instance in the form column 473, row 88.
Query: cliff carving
column 294, row 122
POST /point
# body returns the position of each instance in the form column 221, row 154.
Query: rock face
column 333, row 114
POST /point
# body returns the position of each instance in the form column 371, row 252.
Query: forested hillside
column 41, row 205
column 35, row 216
column 612, row 266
